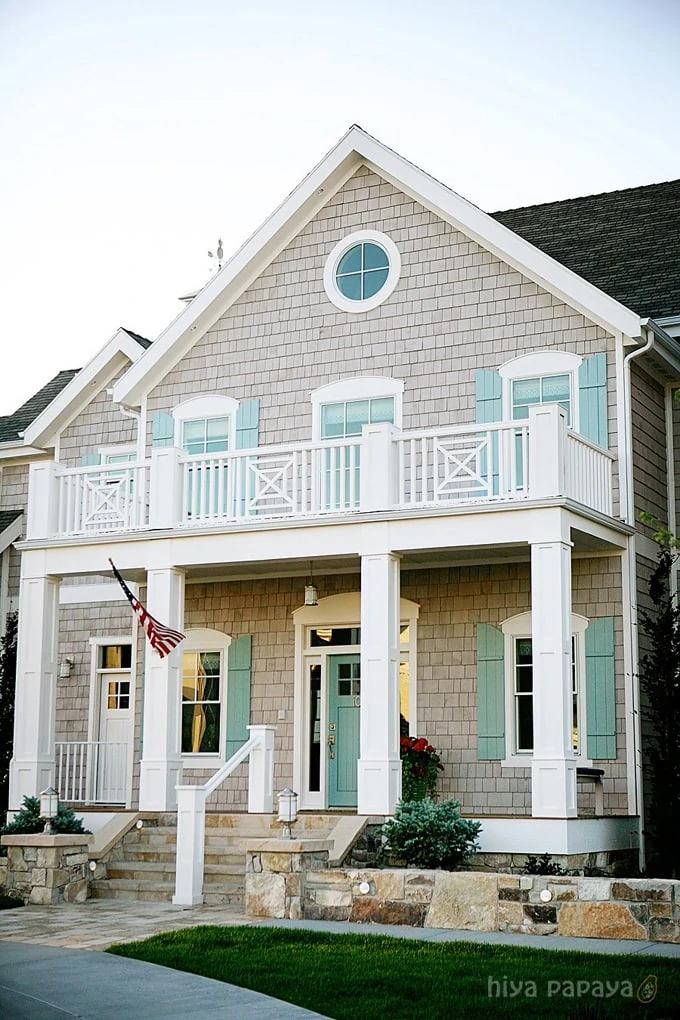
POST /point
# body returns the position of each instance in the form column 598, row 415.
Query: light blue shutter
column 489, row 408
column 162, row 429
column 238, row 693
column 490, row 693
column 248, row 425
column 88, row 459
column 600, row 689
column 592, row 384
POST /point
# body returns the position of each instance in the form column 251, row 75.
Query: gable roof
column 12, row 425
column 624, row 242
column 356, row 149
column 141, row 340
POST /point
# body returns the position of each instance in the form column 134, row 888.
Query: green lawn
column 371, row 977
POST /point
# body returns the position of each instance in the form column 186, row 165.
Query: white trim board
column 76, row 594
column 558, row 835
column 355, row 149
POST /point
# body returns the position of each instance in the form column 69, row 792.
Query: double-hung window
column 202, row 702
column 204, row 428
column 547, row 389
column 523, row 695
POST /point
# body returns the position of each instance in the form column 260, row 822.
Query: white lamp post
column 287, row 811
column 49, row 807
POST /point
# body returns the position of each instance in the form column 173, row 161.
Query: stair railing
column 189, row 864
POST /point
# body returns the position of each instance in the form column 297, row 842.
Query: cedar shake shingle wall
column 452, row 602
column 14, row 496
column 456, row 308
column 100, row 424
column 649, row 447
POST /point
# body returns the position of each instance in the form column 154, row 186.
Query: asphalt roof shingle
column 627, row 243
column 12, row 424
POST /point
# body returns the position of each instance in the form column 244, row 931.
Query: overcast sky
column 134, row 133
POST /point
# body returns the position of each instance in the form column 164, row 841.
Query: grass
column 371, row 977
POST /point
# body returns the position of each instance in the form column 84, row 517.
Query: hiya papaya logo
column 647, row 990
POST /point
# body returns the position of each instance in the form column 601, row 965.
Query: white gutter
column 629, row 576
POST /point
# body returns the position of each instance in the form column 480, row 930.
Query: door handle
column 331, row 739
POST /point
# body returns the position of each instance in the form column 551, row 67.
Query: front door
column 110, row 766
column 344, row 679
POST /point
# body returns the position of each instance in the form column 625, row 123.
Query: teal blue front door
column 344, row 677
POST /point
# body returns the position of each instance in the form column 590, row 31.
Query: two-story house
column 384, row 471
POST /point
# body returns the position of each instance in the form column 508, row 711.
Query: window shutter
column 238, row 693
column 490, row 693
column 248, row 424
column 592, row 383
column 489, row 408
column 600, row 689
column 89, row 459
column 162, row 429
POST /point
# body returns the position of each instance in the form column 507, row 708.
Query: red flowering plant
column 420, row 764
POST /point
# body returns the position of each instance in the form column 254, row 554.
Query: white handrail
column 191, row 810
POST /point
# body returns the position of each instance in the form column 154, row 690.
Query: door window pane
column 315, row 727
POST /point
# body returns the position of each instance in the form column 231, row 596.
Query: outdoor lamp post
column 49, row 807
column 287, row 811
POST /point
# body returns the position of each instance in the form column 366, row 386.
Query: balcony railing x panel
column 100, row 499
column 275, row 481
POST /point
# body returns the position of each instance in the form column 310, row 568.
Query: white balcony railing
column 94, row 500
column 92, row 771
column 381, row 470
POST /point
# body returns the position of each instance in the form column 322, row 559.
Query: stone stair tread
column 133, row 884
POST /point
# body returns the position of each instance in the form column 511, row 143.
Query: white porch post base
column 553, row 788
column 261, row 771
column 379, row 787
column 157, row 784
column 28, row 779
column 190, row 846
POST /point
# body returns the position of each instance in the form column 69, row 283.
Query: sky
column 135, row 133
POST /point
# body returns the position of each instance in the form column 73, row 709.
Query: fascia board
column 12, row 532
column 501, row 241
column 241, row 270
column 77, row 394
column 19, row 453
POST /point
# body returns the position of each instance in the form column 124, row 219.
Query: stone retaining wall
column 46, row 868
column 289, row 882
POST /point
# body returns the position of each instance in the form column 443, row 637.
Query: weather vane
column 218, row 254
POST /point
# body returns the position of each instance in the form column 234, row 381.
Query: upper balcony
column 383, row 470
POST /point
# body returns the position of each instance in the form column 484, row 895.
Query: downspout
column 131, row 412
column 629, row 596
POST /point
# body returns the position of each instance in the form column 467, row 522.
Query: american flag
column 161, row 638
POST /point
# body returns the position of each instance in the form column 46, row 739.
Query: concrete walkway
column 45, row 973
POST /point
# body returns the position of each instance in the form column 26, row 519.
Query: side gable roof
column 624, row 242
column 12, row 425
column 122, row 349
column 355, row 149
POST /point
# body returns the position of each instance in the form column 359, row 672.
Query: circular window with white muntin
column 362, row 271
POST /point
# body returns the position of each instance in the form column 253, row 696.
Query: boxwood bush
column 429, row 835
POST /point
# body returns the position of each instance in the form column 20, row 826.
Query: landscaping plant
column 28, row 820
column 429, row 835
column 543, row 865
column 420, row 765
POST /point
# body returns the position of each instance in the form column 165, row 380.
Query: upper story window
column 205, row 425
column 361, row 271
column 342, row 408
column 347, row 418
column 546, row 377
column 547, row 389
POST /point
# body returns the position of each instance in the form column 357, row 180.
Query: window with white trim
column 519, row 683
column 341, row 409
column 361, row 271
column 206, row 425
column 543, row 377
column 204, row 677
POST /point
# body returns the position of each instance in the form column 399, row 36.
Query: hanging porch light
column 311, row 591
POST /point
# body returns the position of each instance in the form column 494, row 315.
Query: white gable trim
column 355, row 149
column 12, row 532
column 114, row 355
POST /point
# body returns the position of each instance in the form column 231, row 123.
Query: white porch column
column 547, row 450
column 379, row 777
column 32, row 766
column 190, row 846
column 553, row 766
column 378, row 467
column 165, row 488
column 161, row 764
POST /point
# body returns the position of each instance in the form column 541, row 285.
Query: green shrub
column 543, row 865
column 429, row 835
column 28, row 820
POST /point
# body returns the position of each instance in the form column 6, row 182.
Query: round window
column 362, row 271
